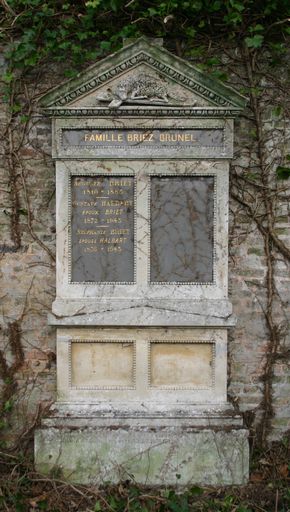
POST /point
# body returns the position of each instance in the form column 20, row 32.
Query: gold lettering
column 88, row 241
column 114, row 249
column 117, row 202
column 86, row 232
column 119, row 183
column 119, row 232
column 111, row 211
column 112, row 240
column 91, row 249
column 115, row 192
column 90, row 212
column 91, row 220
column 114, row 220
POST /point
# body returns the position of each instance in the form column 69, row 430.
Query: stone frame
column 143, row 171
column 160, row 422
column 149, row 395
column 87, row 153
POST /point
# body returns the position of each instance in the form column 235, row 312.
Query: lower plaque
column 102, row 229
column 182, row 220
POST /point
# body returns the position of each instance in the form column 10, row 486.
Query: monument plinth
column 142, row 142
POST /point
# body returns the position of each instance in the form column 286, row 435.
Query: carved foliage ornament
column 142, row 89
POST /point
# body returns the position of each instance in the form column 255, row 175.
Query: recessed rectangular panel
column 212, row 138
column 141, row 138
column 182, row 229
column 185, row 365
column 102, row 364
column 102, row 229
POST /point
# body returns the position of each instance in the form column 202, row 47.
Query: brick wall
column 27, row 277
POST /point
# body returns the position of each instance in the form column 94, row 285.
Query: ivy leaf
column 8, row 406
column 152, row 11
column 257, row 28
column 93, row 3
column 114, row 5
column 196, row 491
column 8, row 77
column 277, row 111
column 22, row 211
column 105, row 45
column 283, row 173
column 254, row 41
column 220, row 75
column 237, row 5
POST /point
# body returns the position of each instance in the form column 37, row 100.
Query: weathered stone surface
column 248, row 341
column 142, row 235
column 153, row 456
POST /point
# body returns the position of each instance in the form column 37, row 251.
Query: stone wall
column 259, row 346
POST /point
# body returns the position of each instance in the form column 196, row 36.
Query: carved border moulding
column 104, row 388
column 141, row 112
column 95, row 174
column 178, row 388
column 131, row 63
column 184, row 283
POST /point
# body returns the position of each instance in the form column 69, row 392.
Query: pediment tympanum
column 142, row 76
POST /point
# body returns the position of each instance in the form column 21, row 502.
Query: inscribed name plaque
column 102, row 229
column 136, row 136
column 134, row 142
column 182, row 229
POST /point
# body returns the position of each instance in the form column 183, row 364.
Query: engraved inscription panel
column 102, row 364
column 102, row 229
column 183, row 137
column 182, row 229
column 181, row 364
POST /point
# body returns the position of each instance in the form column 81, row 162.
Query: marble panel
column 142, row 287
column 182, row 221
column 102, row 229
column 150, row 366
column 187, row 365
column 102, row 364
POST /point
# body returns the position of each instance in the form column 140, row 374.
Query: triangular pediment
column 141, row 75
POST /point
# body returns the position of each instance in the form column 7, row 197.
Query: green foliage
column 75, row 33
column 283, row 173
column 255, row 41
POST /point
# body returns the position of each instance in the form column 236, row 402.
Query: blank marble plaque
column 102, row 229
column 188, row 365
column 182, row 227
column 102, row 364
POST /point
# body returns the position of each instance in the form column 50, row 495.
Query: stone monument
column 142, row 142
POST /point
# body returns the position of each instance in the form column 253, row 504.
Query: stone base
column 206, row 446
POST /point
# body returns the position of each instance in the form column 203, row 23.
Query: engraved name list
column 102, row 228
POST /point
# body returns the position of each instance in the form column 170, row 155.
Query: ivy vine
column 73, row 34
column 76, row 32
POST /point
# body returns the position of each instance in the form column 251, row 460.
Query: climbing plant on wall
column 39, row 37
column 78, row 32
